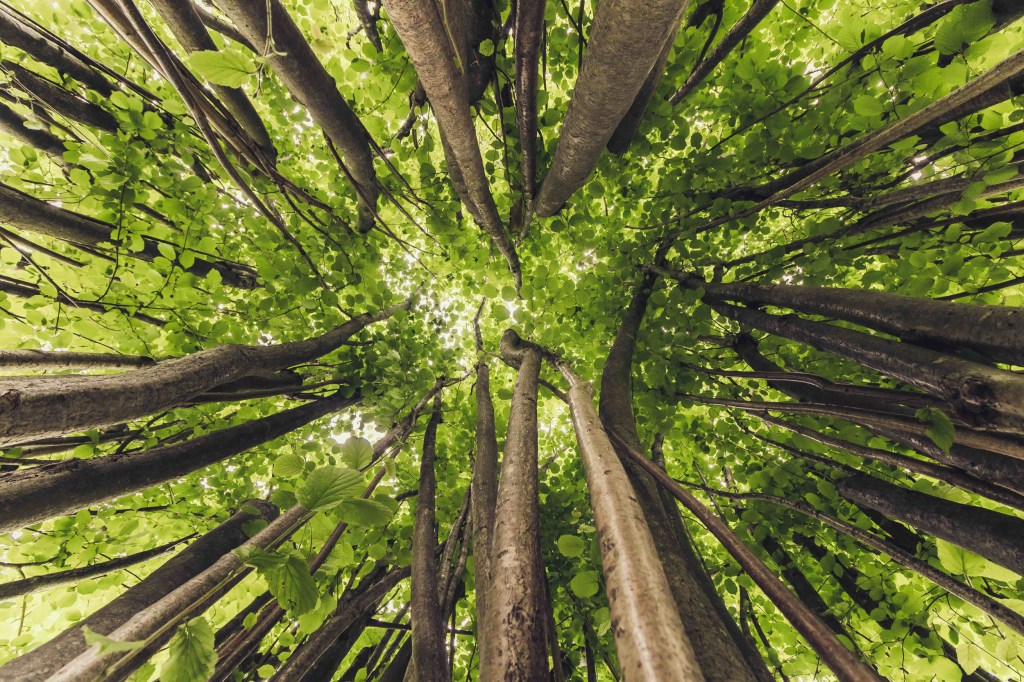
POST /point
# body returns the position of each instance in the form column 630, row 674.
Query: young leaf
column 571, row 546
column 106, row 644
column 191, row 656
column 941, row 430
column 356, row 452
column 328, row 487
column 229, row 67
column 584, row 584
column 366, row 512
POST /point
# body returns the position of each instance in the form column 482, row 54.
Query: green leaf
column 287, row 576
column 963, row 26
column 288, row 465
column 356, row 452
column 229, row 68
column 571, row 546
column 941, row 430
column 958, row 561
column 866, row 105
column 108, row 645
column 585, row 584
column 366, row 512
column 487, row 48
column 328, row 487
column 191, row 654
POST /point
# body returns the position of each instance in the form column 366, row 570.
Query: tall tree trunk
column 991, row 534
column 185, row 23
column 994, row 331
column 743, row 28
column 305, row 658
column 484, row 496
column 59, row 407
column 24, row 212
column 423, row 33
column 514, row 647
column 627, row 38
column 44, row 661
column 529, row 34
column 51, row 490
column 720, row 648
column 13, row 124
column 979, row 393
column 427, row 621
column 630, row 123
column 295, row 63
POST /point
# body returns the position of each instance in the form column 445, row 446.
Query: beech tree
column 511, row 340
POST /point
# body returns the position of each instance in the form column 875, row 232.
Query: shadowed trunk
column 428, row 648
column 484, row 497
column 993, row 535
column 13, row 124
column 45, row 660
column 187, row 26
column 50, row 490
column 423, row 33
column 295, row 63
column 529, row 34
column 627, row 38
column 515, row 646
column 744, row 27
column 57, row 407
column 723, row 652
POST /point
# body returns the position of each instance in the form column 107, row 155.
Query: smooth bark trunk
column 44, row 661
column 991, row 534
column 514, row 647
column 57, row 408
column 50, row 490
column 529, row 34
column 627, row 38
column 428, row 649
column 295, row 63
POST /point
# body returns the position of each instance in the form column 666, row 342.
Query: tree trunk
column 630, row 123
column 44, row 661
column 295, row 63
column 529, row 34
column 744, row 27
column 187, row 26
column 13, row 124
column 993, row 535
column 303, row 659
column 50, row 490
column 24, row 212
column 514, row 646
column 428, row 649
column 626, row 39
column 722, row 652
column 423, row 33
column 994, row 331
column 64, row 102
column 59, row 407
column 979, row 393
column 484, row 496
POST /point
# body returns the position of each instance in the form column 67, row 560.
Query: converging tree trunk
column 44, row 661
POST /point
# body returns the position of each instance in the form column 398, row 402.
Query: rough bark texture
column 51, row 490
column 993, row 535
column 186, row 600
column 45, row 660
column 295, row 63
column 187, row 26
column 423, row 33
column 995, row 331
column 428, row 646
column 58, row 407
column 515, row 646
column 306, row 657
column 979, row 393
column 721, row 649
column 626, row 39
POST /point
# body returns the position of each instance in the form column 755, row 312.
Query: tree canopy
column 511, row 339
